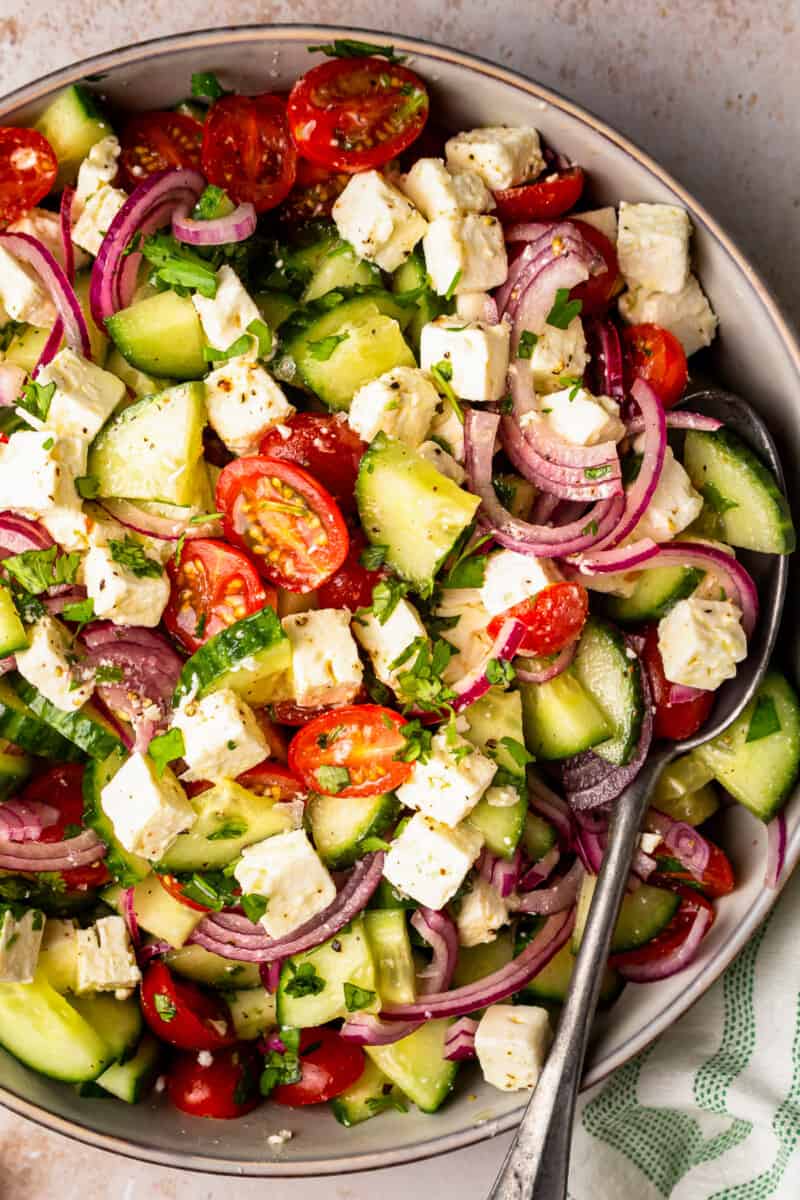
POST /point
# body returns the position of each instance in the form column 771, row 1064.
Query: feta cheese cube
column 436, row 193
column 577, row 417
column 226, row 316
column 96, row 217
column 85, row 395
column 48, row 665
column 121, row 596
column 481, row 913
column 558, row 352
column 34, row 477
column 653, row 246
column 244, row 402
column 511, row 1045
column 106, row 961
column 20, row 943
column 477, row 353
column 686, row 314
column 701, row 641
column 503, row 156
column 674, row 505
column 378, row 221
column 21, row 294
column 429, row 861
column 448, row 431
column 449, row 784
column 509, row 578
column 400, row 403
column 468, row 635
column 604, row 220
column 286, row 870
column 221, row 735
column 386, row 642
column 473, row 306
column 147, row 811
column 465, row 254
column 444, row 462
column 326, row 668
column 98, row 169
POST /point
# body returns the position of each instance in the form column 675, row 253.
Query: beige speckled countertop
column 709, row 87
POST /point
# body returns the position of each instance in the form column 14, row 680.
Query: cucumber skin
column 131, row 1080
column 86, row 734
column 194, row 962
column 417, row 1066
column 12, row 631
column 549, row 988
column 353, row 1106
column 384, row 811
column 23, row 1006
column 632, row 609
column 15, row 769
column 542, row 701
column 209, row 666
column 622, row 744
column 179, row 357
column 22, row 727
column 127, row 869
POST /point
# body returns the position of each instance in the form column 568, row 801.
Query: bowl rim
column 106, row 62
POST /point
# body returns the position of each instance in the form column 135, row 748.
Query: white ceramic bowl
column 754, row 355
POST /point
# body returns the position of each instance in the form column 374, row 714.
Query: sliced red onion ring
column 684, row 842
column 526, row 231
column 51, row 346
column 680, row 693
column 590, row 849
column 31, row 251
column 544, row 507
column 271, row 976
column 24, row 820
column 460, row 1041
column 544, row 801
column 670, row 964
column 540, row 871
column 476, row 683
column 606, row 359
column 367, row 1029
column 65, row 225
column 235, row 227
column 164, row 528
column 500, row 873
column 129, row 913
column 152, row 950
column 548, row 670
column 776, row 850
column 679, row 420
column 556, row 898
column 508, row 294
column 558, row 480
column 80, row 851
column 18, row 534
column 12, row 378
column 733, row 577
column 440, row 933
column 548, row 445
column 617, row 561
column 70, row 595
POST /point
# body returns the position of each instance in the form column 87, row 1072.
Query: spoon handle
column 537, row 1164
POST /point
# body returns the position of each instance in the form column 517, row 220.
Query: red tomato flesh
column 597, row 292
column 671, row 721
column 155, row 141
column 326, row 447
column 718, row 878
column 330, row 1065
column 182, row 1014
column 247, row 150
column 351, row 586
column 554, row 617
column 670, row 938
column 543, row 200
column 213, row 586
column 226, row 1087
column 28, row 169
column 62, row 788
column 655, row 355
column 361, row 739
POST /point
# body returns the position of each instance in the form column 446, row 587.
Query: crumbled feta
column 106, row 961
column 686, row 314
column 438, row 193
column 476, row 352
column 386, row 642
column 48, row 665
column 450, row 782
column 502, row 797
column 701, row 641
column 575, row 416
column 226, row 316
column 429, row 861
column 472, row 306
column 448, row 430
column 468, row 635
column 509, row 578
column 465, row 254
column 147, row 811
column 511, row 1045
column 558, row 354
column 205, row 1058
column 38, row 470
column 674, row 505
column 97, row 214
column 444, row 462
column 46, row 227
column 502, row 155
column 121, row 596
column 244, row 402
column 21, row 293
column 280, row 1138
column 326, row 668
column 221, row 735
column 604, row 220
column 98, row 169
column 378, row 221
column 287, row 871
column 85, row 395
column 653, row 246
column 400, row 403
column 20, row 943
column 481, row 912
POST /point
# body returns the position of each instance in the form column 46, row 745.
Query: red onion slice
column 235, row 227
column 367, row 1029
column 440, row 933
column 540, row 871
column 51, row 346
column 549, row 446
column 81, row 851
column 476, row 683
column 679, row 420
column 460, row 1041
column 18, row 534
column 129, row 913
column 606, row 359
column 271, row 974
column 548, row 670
column 65, row 226
column 776, row 851
column 500, row 873
column 670, row 964
column 163, row 528
column 555, row 899
column 561, row 481
column 733, row 577
column 31, row 251
column 24, row 820
column 544, row 801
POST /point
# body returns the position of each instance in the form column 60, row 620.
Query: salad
column 354, row 552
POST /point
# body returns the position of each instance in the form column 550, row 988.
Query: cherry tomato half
column 351, row 586
column 543, row 200
column 226, row 1087
column 315, row 191
column 597, row 292
column 213, row 586
column 273, row 780
column 554, row 617
column 361, row 741
column 351, row 114
column 671, row 721
column 285, row 518
column 718, row 878
column 247, row 149
column 62, row 788
column 655, row 355
column 28, row 169
column 326, row 447
column 155, row 141
column 330, row 1065
column 670, row 938
column 182, row 1014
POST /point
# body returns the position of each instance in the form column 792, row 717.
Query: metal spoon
column 537, row 1164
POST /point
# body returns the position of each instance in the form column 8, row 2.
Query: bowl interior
column 754, row 356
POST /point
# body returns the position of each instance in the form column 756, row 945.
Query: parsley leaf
column 386, row 595
column 232, row 828
column 590, row 529
column 263, row 335
column 421, row 686
column 764, row 721
column 507, row 405
column 597, row 472
column 372, row 558
column 130, row 554
column 356, row 998
column 520, row 754
column 442, row 373
column 240, row 346
column 38, row 570
column 324, row 348
column 213, row 203
column 29, row 608
column 36, row 398
column 350, row 48
column 505, row 489
column 452, row 285
column 389, row 1099
column 206, row 86
column 527, row 344
column 87, row 486
column 500, row 672
column 417, row 743
column 305, row 980
column 254, row 907
column 165, row 748
column 282, row 1067
column 214, row 889
column 715, row 499
column 573, row 382
column 469, row 568
column 564, row 310
column 332, row 779
column 165, row 1006
column 176, row 266
column 81, row 611
column 107, row 674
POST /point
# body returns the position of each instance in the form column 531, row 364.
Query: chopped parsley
column 350, row 48
column 232, row 828
column 505, row 489
column 176, row 266
column 305, row 980
column 206, row 86
column 38, row 570
column 331, row 779
column 282, row 1066
column 130, row 554
column 715, row 499
column 87, row 486
column 590, row 529
column 372, row 558
column 507, row 405
column 442, row 373
column 386, row 595
column 764, row 721
column 240, row 346
column 81, row 611
column 165, row 1006
column 214, row 889
column 469, row 568
column 165, row 748
column 108, row 674
column 527, row 344
column 324, row 348
column 573, row 382
column 36, row 399
column 417, row 743
column 254, row 907
column 520, row 754
column 500, row 672
column 452, row 285
column 389, row 1099
column 421, row 685
column 597, row 472
column 564, row 310
column 356, row 998
column 213, row 203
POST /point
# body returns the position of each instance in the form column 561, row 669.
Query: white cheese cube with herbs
column 147, row 810
column 221, row 736
column 687, row 314
column 604, row 220
column 481, row 912
column 559, row 354
column 106, row 961
column 444, row 462
column 49, row 665
column 286, row 870
column 653, row 246
column 450, row 782
column 385, row 642
column 85, row 395
column 400, row 403
column 21, row 294
column 467, row 619
column 20, row 943
column 447, row 429
column 578, row 418
column 473, row 306
column 97, row 214
column 465, row 254
column 134, row 594
column 226, row 315
column 429, row 861
column 244, row 402
column 97, row 169
column 509, row 578
column 379, row 222
column 33, row 477
column 701, row 641
column 326, row 668
column 476, row 353
column 511, row 1044
column 437, row 193
column 674, row 504
column 502, row 155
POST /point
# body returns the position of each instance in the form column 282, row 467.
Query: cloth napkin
column 711, row 1111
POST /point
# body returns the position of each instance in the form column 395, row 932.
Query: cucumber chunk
column 275, row 307
column 252, row 1012
column 538, row 837
column 684, row 791
column 26, row 346
column 561, row 717
column 118, row 1022
column 655, row 593
column 229, row 817
column 132, row 1080
column 140, row 383
column 252, row 657
column 643, row 915
column 371, row 1094
column 23, row 727
column 340, row 268
column 156, row 911
column 46, row 1032
column 201, row 965
column 761, row 772
column 346, row 958
column 126, row 868
column 161, row 335
column 749, row 508
column 417, row 1066
column 58, row 956
column 406, row 505
column 496, row 716
column 12, row 631
column 15, row 768
column 550, row 986
column 501, row 825
column 424, row 304
column 339, row 827
column 72, row 123
column 81, row 728
column 603, row 666
column 387, row 933
column 476, row 962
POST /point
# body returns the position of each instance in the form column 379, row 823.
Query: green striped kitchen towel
column 712, row 1110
